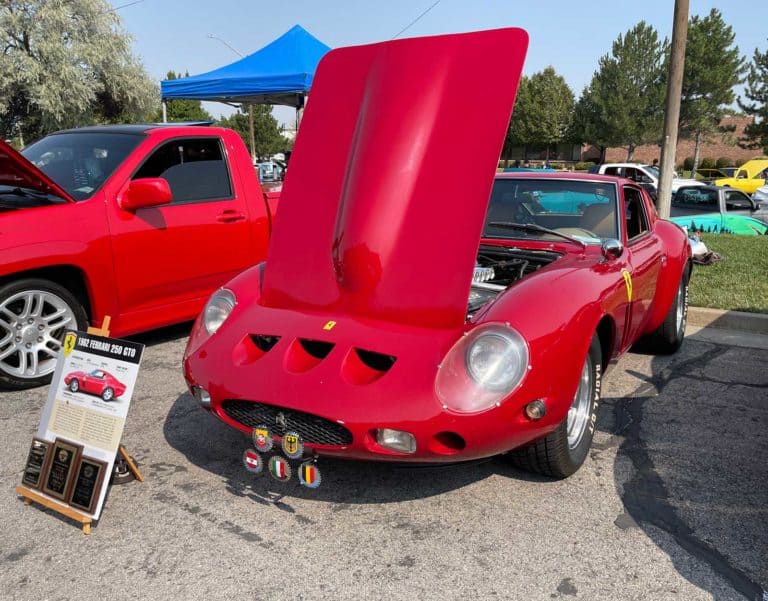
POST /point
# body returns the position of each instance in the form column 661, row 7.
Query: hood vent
column 264, row 342
column 364, row 367
column 304, row 354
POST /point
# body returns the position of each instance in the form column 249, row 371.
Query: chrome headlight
column 217, row 309
column 482, row 368
column 497, row 359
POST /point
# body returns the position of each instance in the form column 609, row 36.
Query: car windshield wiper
column 532, row 227
column 36, row 197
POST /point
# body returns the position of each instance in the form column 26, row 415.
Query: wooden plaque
column 87, row 486
column 36, row 463
column 61, row 468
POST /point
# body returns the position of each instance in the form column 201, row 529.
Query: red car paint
column 148, row 267
column 95, row 382
column 373, row 255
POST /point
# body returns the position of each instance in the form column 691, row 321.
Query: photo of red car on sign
column 98, row 382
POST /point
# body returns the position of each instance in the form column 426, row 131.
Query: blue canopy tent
column 279, row 73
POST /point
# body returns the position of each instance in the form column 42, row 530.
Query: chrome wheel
column 108, row 394
column 32, row 323
column 681, row 310
column 580, row 411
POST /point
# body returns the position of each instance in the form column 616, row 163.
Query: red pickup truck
column 138, row 222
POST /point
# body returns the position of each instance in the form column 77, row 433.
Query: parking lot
column 672, row 504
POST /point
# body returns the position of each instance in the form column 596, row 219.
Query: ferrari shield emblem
column 253, row 461
column 262, row 438
column 293, row 447
column 279, row 468
column 329, row 325
column 69, row 343
column 309, row 475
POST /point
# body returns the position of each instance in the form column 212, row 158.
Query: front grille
column 311, row 428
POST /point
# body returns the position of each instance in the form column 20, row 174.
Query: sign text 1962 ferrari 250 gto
column 404, row 316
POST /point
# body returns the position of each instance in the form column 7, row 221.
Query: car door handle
column 230, row 216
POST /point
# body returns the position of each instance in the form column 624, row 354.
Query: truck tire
column 561, row 453
column 34, row 313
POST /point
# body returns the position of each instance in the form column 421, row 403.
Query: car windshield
column 81, row 162
column 584, row 210
column 96, row 373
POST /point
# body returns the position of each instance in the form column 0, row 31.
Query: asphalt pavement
column 671, row 504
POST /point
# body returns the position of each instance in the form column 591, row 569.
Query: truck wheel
column 34, row 314
column 561, row 453
column 669, row 335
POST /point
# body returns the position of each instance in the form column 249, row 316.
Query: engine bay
column 498, row 268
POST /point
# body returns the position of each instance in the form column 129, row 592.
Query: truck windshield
column 81, row 162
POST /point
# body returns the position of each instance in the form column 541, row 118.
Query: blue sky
column 570, row 36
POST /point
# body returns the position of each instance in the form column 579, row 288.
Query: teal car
column 718, row 209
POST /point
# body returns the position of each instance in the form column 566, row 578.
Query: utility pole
column 672, row 109
column 251, row 135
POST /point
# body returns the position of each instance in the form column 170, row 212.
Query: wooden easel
column 33, row 496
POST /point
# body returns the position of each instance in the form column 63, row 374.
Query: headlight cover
column 482, row 368
column 217, row 309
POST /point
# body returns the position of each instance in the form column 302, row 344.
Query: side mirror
column 145, row 192
column 612, row 249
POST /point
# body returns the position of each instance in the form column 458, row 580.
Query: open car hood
column 17, row 171
column 388, row 186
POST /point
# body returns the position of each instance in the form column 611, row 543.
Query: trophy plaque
column 87, row 487
column 33, row 470
column 61, row 468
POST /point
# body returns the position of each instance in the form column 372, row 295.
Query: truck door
column 168, row 259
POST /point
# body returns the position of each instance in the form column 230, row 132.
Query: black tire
column 553, row 455
column 74, row 385
column 11, row 364
column 669, row 336
column 108, row 394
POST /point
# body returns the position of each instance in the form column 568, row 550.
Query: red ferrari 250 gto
column 412, row 311
column 97, row 381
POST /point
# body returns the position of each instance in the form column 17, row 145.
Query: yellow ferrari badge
column 69, row 343
column 628, row 283
column 329, row 325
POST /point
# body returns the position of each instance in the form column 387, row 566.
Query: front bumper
column 337, row 407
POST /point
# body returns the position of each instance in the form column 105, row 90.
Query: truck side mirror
column 145, row 192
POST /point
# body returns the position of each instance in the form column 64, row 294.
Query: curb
column 755, row 323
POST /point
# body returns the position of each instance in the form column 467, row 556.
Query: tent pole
column 252, row 137
column 165, row 112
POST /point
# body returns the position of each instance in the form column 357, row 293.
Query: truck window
column 194, row 168
column 736, row 201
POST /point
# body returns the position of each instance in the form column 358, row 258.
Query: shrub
column 707, row 163
column 724, row 162
column 688, row 164
column 583, row 165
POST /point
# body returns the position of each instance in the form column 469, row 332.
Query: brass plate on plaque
column 87, row 487
column 60, row 472
column 36, row 460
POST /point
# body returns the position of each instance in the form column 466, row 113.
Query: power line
column 116, row 8
column 415, row 20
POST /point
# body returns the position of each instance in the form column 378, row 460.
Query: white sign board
column 89, row 397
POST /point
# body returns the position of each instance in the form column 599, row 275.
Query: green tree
column 756, row 92
column 624, row 102
column 266, row 131
column 516, row 131
column 65, row 64
column 548, row 117
column 713, row 67
column 542, row 114
column 183, row 109
column 587, row 126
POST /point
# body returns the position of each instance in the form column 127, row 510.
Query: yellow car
column 749, row 177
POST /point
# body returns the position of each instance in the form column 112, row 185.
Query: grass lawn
column 740, row 281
